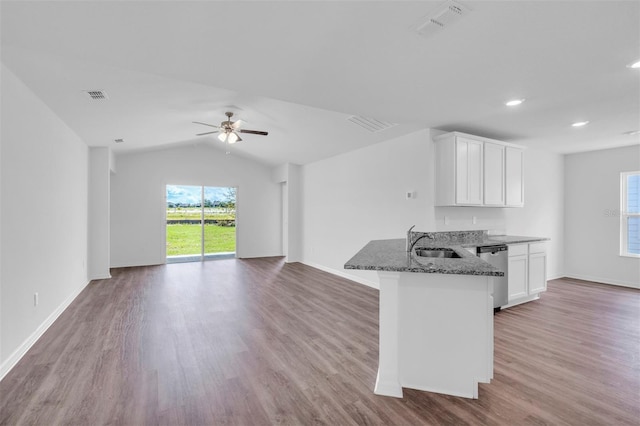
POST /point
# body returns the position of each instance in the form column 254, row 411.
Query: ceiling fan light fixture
column 634, row 65
column 514, row 102
column 229, row 130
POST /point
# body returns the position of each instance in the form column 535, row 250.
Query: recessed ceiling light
column 634, row 65
column 514, row 102
column 580, row 123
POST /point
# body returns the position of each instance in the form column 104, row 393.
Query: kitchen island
column 436, row 315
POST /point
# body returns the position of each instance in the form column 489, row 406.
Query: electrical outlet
column 474, row 220
column 35, row 299
column 446, row 220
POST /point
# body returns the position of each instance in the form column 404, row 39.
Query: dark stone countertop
column 494, row 240
column 391, row 255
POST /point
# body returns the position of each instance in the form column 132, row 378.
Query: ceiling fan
column 229, row 130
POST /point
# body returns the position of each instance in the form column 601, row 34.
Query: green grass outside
column 194, row 214
column 184, row 239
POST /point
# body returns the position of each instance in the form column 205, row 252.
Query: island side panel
column 445, row 325
column 388, row 380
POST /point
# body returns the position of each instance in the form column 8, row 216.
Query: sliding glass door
column 219, row 220
column 201, row 222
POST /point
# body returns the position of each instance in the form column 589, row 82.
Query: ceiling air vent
column 118, row 140
column 97, row 95
column 440, row 18
column 370, row 124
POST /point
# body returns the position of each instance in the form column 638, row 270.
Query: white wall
column 138, row 200
column 289, row 177
column 592, row 225
column 99, row 221
column 541, row 216
column 44, row 193
column 543, row 211
column 360, row 196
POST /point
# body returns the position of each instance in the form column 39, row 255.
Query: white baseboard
column 13, row 359
column 521, row 300
column 100, row 277
column 602, row 280
column 137, row 262
column 355, row 278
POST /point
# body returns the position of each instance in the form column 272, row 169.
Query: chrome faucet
column 411, row 244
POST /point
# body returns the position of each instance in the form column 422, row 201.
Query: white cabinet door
column 494, row 173
column 514, row 176
column 476, row 171
column 527, row 273
column 517, row 276
column 537, row 272
column 469, row 171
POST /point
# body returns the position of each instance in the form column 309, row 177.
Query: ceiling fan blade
column 205, row 124
column 253, row 132
column 207, row 133
column 237, row 124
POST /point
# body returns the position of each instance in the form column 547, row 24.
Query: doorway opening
column 200, row 223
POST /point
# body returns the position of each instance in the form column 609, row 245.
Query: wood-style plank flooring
column 260, row 342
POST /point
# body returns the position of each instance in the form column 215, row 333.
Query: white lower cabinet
column 518, row 277
column 527, row 272
column 537, row 268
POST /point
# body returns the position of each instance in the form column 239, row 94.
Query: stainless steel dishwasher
column 497, row 256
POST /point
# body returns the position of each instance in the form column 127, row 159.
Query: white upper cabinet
column 514, row 168
column 469, row 172
column 494, row 173
column 476, row 171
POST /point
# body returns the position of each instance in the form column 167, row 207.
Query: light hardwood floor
column 259, row 342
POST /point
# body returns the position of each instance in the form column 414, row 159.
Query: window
column 630, row 214
column 201, row 222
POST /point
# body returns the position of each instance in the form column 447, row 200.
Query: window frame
column 203, row 255
column 625, row 214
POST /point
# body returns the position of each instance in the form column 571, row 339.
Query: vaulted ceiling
column 300, row 69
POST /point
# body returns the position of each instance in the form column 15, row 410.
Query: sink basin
column 423, row 252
